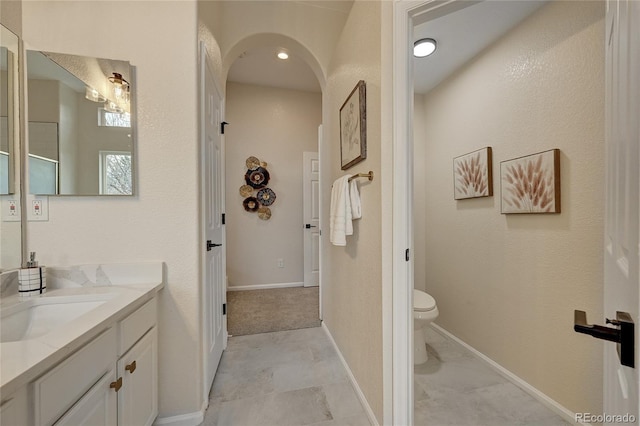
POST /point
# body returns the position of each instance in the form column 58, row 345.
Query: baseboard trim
column 191, row 419
column 263, row 286
column 352, row 379
column 553, row 405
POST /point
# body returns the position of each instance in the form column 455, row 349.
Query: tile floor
column 295, row 378
column 283, row 378
column 456, row 388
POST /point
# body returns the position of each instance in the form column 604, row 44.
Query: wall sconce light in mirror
column 81, row 138
column 93, row 95
column 120, row 88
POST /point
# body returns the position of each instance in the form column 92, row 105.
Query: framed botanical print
column 353, row 127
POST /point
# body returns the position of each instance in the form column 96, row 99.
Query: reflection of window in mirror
column 113, row 119
column 115, row 173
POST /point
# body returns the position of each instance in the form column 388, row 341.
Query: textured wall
column 159, row 39
column 277, row 126
column 352, row 296
column 508, row 284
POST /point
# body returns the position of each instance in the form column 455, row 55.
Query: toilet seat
column 423, row 302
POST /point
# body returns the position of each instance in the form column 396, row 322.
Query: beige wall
column 507, row 284
column 277, row 126
column 160, row 40
column 11, row 15
column 353, row 276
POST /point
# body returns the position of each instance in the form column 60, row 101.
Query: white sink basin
column 38, row 316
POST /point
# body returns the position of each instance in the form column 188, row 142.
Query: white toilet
column 424, row 311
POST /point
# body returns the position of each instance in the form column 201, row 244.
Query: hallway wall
column 352, row 292
column 277, row 126
column 508, row 284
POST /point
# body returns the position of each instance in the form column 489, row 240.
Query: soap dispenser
column 32, row 280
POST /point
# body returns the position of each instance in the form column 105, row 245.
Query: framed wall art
column 531, row 184
column 472, row 175
column 353, row 127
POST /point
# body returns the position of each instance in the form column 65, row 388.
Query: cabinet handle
column 131, row 367
column 117, row 384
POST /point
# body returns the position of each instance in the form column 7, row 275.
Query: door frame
column 202, row 58
column 407, row 14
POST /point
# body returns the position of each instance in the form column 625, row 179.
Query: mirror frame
column 92, row 73
column 18, row 163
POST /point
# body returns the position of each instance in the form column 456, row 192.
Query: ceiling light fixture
column 283, row 55
column 424, row 47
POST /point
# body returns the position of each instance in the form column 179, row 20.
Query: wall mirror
column 80, row 125
column 10, row 219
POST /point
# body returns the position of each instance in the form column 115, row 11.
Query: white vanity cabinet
column 138, row 397
column 15, row 409
column 138, row 367
column 112, row 380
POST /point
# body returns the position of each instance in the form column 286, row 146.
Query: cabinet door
column 138, row 397
column 98, row 407
column 14, row 411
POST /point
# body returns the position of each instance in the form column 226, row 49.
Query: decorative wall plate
column 252, row 163
column 251, row 204
column 258, row 178
column 264, row 213
column 246, row 190
column 266, row 196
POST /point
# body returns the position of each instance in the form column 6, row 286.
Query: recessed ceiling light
column 283, row 55
column 424, row 47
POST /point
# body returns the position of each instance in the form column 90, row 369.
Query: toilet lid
column 423, row 301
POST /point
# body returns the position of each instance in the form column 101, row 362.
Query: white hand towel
column 354, row 195
column 340, row 212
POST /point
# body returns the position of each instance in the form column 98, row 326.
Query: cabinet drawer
column 60, row 388
column 133, row 327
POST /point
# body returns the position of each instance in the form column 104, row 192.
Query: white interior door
column 311, row 199
column 214, row 294
column 622, row 187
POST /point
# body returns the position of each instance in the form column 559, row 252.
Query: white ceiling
column 460, row 35
column 463, row 34
column 261, row 66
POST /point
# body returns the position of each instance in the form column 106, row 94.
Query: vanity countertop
column 23, row 361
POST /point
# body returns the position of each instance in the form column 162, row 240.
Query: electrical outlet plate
column 10, row 209
column 37, row 208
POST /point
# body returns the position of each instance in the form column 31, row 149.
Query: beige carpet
column 277, row 309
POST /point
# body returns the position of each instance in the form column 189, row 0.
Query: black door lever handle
column 622, row 334
column 211, row 245
column 580, row 325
